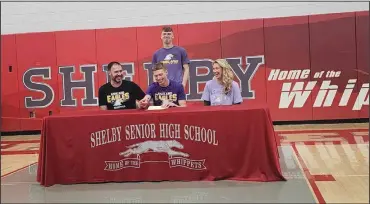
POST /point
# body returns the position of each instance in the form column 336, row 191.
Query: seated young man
column 164, row 92
column 222, row 89
column 118, row 93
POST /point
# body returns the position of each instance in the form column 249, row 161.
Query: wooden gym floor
column 326, row 163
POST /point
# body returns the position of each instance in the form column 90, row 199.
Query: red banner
column 251, row 79
column 10, row 114
column 363, row 65
column 305, row 68
column 288, row 65
column 333, row 60
column 37, row 77
column 78, row 70
column 125, row 41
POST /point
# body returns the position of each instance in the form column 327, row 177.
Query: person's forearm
column 185, row 78
column 147, row 97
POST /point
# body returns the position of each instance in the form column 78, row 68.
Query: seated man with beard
column 118, row 93
column 164, row 92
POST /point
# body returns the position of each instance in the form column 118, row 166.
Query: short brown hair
column 159, row 66
column 110, row 65
column 167, row 29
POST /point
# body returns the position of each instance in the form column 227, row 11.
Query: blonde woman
column 222, row 89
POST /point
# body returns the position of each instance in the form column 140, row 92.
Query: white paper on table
column 156, row 108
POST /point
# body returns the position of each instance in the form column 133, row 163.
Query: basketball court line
column 19, row 169
column 311, row 183
column 342, row 134
column 11, row 142
column 19, row 152
column 6, row 145
column 6, row 149
column 322, row 130
column 17, row 183
column 318, row 127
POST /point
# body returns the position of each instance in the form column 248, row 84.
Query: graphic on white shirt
column 168, row 57
column 218, row 97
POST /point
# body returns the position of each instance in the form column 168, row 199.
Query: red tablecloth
column 193, row 143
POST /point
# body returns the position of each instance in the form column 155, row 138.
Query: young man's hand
column 167, row 104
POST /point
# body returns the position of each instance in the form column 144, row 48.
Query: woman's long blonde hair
column 227, row 74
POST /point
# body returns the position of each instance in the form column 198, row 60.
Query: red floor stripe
column 310, row 178
column 7, row 146
column 324, row 177
column 17, row 170
column 20, row 142
column 323, row 130
column 19, row 152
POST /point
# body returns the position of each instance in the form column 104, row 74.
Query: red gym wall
column 317, row 43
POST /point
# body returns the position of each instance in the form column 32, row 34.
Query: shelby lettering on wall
column 88, row 71
column 293, row 94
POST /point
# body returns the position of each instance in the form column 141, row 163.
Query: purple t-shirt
column 173, row 58
column 173, row 93
column 213, row 92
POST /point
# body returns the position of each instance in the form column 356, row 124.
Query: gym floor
column 324, row 163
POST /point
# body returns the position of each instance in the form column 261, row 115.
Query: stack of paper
column 156, row 108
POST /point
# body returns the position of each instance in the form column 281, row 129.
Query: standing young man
column 174, row 57
column 164, row 92
column 118, row 93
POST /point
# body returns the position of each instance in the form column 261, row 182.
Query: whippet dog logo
column 155, row 146
column 176, row 158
